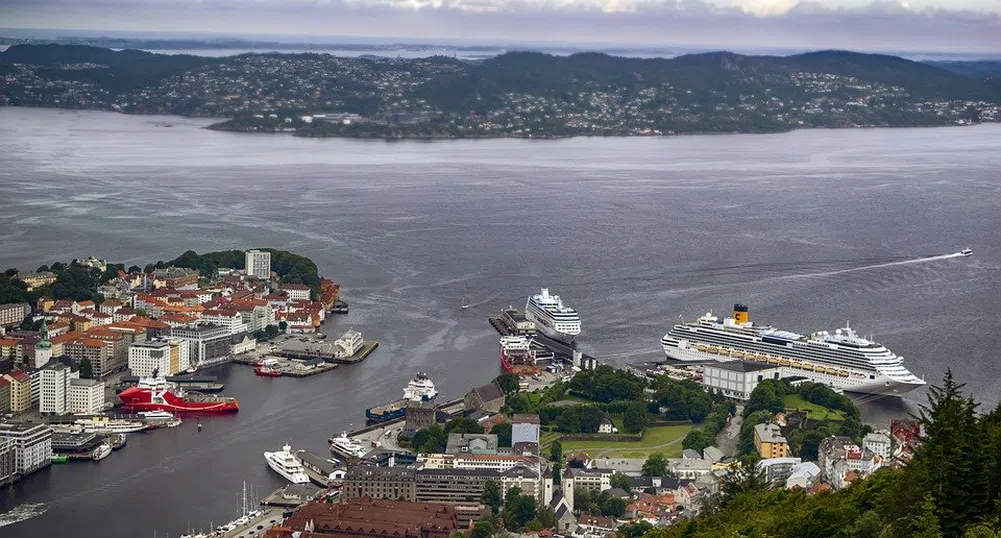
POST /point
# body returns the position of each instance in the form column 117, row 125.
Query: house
column 690, row 454
column 525, row 429
column 713, row 454
column 840, row 459
column 589, row 526
column 489, row 398
column 296, row 292
column 648, row 506
column 471, row 443
column 606, row 426
column 803, row 476
column 877, row 442
column 20, row 391
column 769, row 442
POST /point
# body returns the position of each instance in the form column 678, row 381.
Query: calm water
column 632, row 232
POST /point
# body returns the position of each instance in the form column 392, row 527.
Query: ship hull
column 136, row 400
column 376, row 415
column 857, row 381
column 514, row 368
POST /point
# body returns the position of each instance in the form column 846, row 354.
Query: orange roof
column 178, row 318
column 85, row 303
column 105, row 333
column 66, row 337
column 124, row 326
column 7, row 342
column 221, row 313
column 148, row 323
column 91, row 342
column 20, row 376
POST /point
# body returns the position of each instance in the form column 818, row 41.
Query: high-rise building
column 208, row 343
column 258, row 264
column 86, row 396
column 55, row 390
column 164, row 356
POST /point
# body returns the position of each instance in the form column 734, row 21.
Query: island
column 516, row 94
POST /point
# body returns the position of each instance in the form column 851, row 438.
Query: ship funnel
column 740, row 313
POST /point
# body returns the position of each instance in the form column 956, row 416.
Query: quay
column 326, row 351
column 366, row 349
column 292, row 495
column 247, row 526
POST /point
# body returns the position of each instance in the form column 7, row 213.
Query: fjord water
column 806, row 227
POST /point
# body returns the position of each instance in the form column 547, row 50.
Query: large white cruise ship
column 551, row 317
column 843, row 359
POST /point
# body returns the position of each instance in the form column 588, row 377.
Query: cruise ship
column 286, row 464
column 551, row 317
column 842, row 360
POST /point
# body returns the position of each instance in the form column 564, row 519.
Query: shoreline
column 504, row 136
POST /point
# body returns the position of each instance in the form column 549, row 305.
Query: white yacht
column 106, row 425
column 286, row 464
column 420, row 389
column 552, row 317
column 346, row 446
column 966, row 252
column 841, row 360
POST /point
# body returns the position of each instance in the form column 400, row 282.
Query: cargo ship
column 517, row 355
column 420, row 389
column 158, row 395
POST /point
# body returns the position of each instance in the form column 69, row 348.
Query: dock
column 366, row 349
column 318, row 369
column 292, row 495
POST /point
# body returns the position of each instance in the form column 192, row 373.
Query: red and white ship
column 156, row 394
column 517, row 355
column 267, row 371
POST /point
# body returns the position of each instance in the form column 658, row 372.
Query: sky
column 951, row 26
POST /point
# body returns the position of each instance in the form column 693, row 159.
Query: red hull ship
column 158, row 395
column 265, row 371
column 516, row 355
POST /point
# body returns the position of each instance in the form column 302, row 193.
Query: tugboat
column 267, row 371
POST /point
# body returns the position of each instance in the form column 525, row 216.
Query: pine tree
column 952, row 462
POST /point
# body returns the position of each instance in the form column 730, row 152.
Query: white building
column 86, row 396
column 296, row 292
column 348, row 345
column 878, row 443
column 165, row 356
column 736, row 379
column 258, row 264
column 33, row 444
column 803, row 476
column 208, row 343
column 54, row 394
column 525, row 429
column 778, row 469
column 231, row 319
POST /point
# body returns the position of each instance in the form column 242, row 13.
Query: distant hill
column 513, row 94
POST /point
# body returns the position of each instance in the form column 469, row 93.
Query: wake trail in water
column 21, row 513
column 874, row 266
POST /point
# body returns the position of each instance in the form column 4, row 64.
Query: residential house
column 589, row 526
column 803, row 476
column 20, row 391
column 606, row 426
column 94, row 350
column 769, row 442
column 296, row 292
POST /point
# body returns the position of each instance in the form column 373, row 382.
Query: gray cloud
column 739, row 25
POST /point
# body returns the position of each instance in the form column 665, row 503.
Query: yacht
column 346, row 446
column 286, row 464
column 966, row 252
column 552, row 317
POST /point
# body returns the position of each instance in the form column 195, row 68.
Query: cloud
column 733, row 24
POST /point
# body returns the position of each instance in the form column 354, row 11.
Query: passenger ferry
column 842, row 360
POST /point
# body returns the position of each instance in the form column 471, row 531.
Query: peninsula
column 519, row 94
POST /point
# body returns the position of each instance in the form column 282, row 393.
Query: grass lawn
column 665, row 439
column 813, row 411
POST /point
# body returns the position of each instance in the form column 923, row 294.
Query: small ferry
column 966, row 252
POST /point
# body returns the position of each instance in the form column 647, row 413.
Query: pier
column 292, row 495
column 366, row 349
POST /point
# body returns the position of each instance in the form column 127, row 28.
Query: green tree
column 463, row 425
column 556, row 451
column 482, row 529
column 622, row 481
column 634, row 530
column 611, row 506
column 283, row 326
column 492, row 496
column 508, row 383
column 697, row 440
column 133, row 269
column 546, row 517
column 430, row 440
column 655, row 465
column 952, row 459
column 636, row 417
column 517, row 403
column 590, row 418
column 518, row 509
column 141, row 312
column 86, row 369
column 569, row 420
column 503, row 433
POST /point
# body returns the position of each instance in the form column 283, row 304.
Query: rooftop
column 741, row 366
column 769, row 433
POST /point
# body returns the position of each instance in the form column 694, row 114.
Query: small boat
column 199, row 426
column 267, row 371
column 59, row 458
column 966, row 252
column 465, row 305
column 102, row 451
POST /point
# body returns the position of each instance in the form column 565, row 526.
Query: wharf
column 319, row 469
column 499, row 326
column 366, row 349
column 245, row 528
column 292, row 495
column 318, row 369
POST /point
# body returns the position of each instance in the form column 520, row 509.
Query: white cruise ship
column 551, row 317
column 843, row 360
column 286, row 464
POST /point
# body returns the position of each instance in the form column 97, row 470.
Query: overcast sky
column 891, row 25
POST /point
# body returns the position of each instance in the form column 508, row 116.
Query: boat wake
column 873, row 266
column 22, row 512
